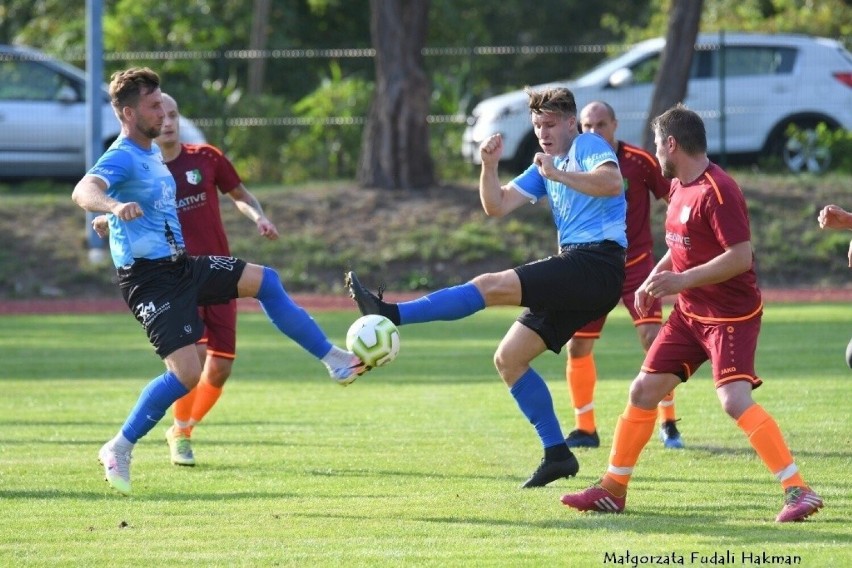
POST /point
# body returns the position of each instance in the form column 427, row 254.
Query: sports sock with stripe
column 765, row 437
column 634, row 429
column 581, row 375
column 666, row 408
column 182, row 409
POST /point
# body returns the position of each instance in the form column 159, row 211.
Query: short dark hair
column 127, row 86
column 683, row 125
column 558, row 99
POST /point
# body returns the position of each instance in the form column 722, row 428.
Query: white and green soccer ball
column 374, row 339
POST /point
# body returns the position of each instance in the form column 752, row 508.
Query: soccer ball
column 374, row 339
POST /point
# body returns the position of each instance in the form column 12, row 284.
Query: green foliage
column 839, row 142
column 415, row 464
column 254, row 150
column 827, row 18
column 327, row 151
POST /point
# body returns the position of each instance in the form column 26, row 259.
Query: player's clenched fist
column 127, row 211
column 491, row 149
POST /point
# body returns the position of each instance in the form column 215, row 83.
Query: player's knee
column 643, row 394
column 578, row 347
column 507, row 366
column 217, row 370
column 218, row 378
column 499, row 288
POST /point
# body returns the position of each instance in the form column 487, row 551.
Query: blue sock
column 444, row 305
column 534, row 400
column 152, row 404
column 289, row 317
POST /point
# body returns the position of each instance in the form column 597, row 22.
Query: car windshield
column 603, row 71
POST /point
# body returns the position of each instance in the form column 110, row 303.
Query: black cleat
column 582, row 439
column 368, row 303
column 549, row 471
column 669, row 435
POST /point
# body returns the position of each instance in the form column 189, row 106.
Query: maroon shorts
column 220, row 329
column 684, row 343
column 635, row 272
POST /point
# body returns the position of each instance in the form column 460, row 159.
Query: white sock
column 337, row 357
column 122, row 444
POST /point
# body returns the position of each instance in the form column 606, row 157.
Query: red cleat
column 799, row 504
column 595, row 498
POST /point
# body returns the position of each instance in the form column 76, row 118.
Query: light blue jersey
column 579, row 218
column 135, row 174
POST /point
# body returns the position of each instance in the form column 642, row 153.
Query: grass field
column 416, row 464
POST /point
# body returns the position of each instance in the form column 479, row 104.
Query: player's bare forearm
column 90, row 194
column 248, row 205
column 735, row 260
column 603, row 181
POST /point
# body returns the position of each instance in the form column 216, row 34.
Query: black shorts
column 164, row 295
column 562, row 293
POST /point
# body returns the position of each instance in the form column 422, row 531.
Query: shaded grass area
column 415, row 464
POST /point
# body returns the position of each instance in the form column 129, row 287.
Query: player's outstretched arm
column 249, row 206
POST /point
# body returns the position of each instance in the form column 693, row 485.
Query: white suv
column 770, row 82
column 43, row 116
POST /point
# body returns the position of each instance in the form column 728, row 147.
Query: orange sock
column 666, row 408
column 766, row 439
column 634, row 429
column 204, row 400
column 582, row 375
column 182, row 410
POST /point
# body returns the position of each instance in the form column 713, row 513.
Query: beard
column 149, row 131
column 667, row 169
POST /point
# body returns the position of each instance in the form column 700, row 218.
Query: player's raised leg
column 263, row 283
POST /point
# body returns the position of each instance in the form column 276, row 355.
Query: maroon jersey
column 200, row 171
column 642, row 179
column 704, row 218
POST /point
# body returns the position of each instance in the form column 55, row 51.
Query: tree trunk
column 395, row 143
column 673, row 74
column 257, row 41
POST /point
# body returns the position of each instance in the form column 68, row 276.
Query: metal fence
column 273, row 143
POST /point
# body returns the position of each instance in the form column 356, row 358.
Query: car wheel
column 802, row 151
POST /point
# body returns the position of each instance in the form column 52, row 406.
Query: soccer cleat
column 551, row 470
column 595, row 498
column 180, row 447
column 347, row 369
column 669, row 435
column 116, row 468
column 799, row 504
column 368, row 303
column 582, row 439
